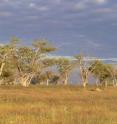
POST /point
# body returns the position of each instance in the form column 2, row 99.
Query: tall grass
column 57, row 105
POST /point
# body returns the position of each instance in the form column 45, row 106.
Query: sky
column 74, row 26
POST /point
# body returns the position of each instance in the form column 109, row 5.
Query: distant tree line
column 25, row 65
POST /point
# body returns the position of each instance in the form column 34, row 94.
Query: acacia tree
column 48, row 65
column 5, row 57
column 84, row 69
column 64, row 67
column 101, row 72
column 113, row 74
column 48, row 77
column 27, row 61
column 35, row 61
column 18, row 59
column 4, row 52
column 114, row 77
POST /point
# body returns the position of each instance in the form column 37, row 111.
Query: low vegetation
column 57, row 105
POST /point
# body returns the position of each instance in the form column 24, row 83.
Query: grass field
column 57, row 105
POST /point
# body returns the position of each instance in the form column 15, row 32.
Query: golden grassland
column 57, row 105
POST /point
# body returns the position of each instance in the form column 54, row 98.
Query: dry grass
column 57, row 105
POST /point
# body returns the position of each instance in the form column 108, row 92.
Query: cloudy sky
column 88, row 26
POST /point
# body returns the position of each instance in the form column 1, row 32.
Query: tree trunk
column 26, row 80
column 97, row 82
column 84, row 76
column 84, row 84
column 47, row 82
column 66, row 80
column 115, row 82
column 1, row 68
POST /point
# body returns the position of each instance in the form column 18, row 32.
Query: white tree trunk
column 26, row 80
column 97, row 82
column 66, row 80
column 84, row 76
column 114, row 82
column 47, row 82
column 1, row 68
column 84, row 84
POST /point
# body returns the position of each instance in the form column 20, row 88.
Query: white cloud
column 81, row 5
column 38, row 7
column 32, row 5
column 100, row 1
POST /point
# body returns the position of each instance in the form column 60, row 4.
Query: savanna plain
column 57, row 105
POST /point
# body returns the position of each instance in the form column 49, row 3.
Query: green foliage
column 24, row 61
column 101, row 70
column 64, row 65
column 42, row 46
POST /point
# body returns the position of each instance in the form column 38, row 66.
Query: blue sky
column 88, row 26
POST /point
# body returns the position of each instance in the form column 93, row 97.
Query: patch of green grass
column 57, row 105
